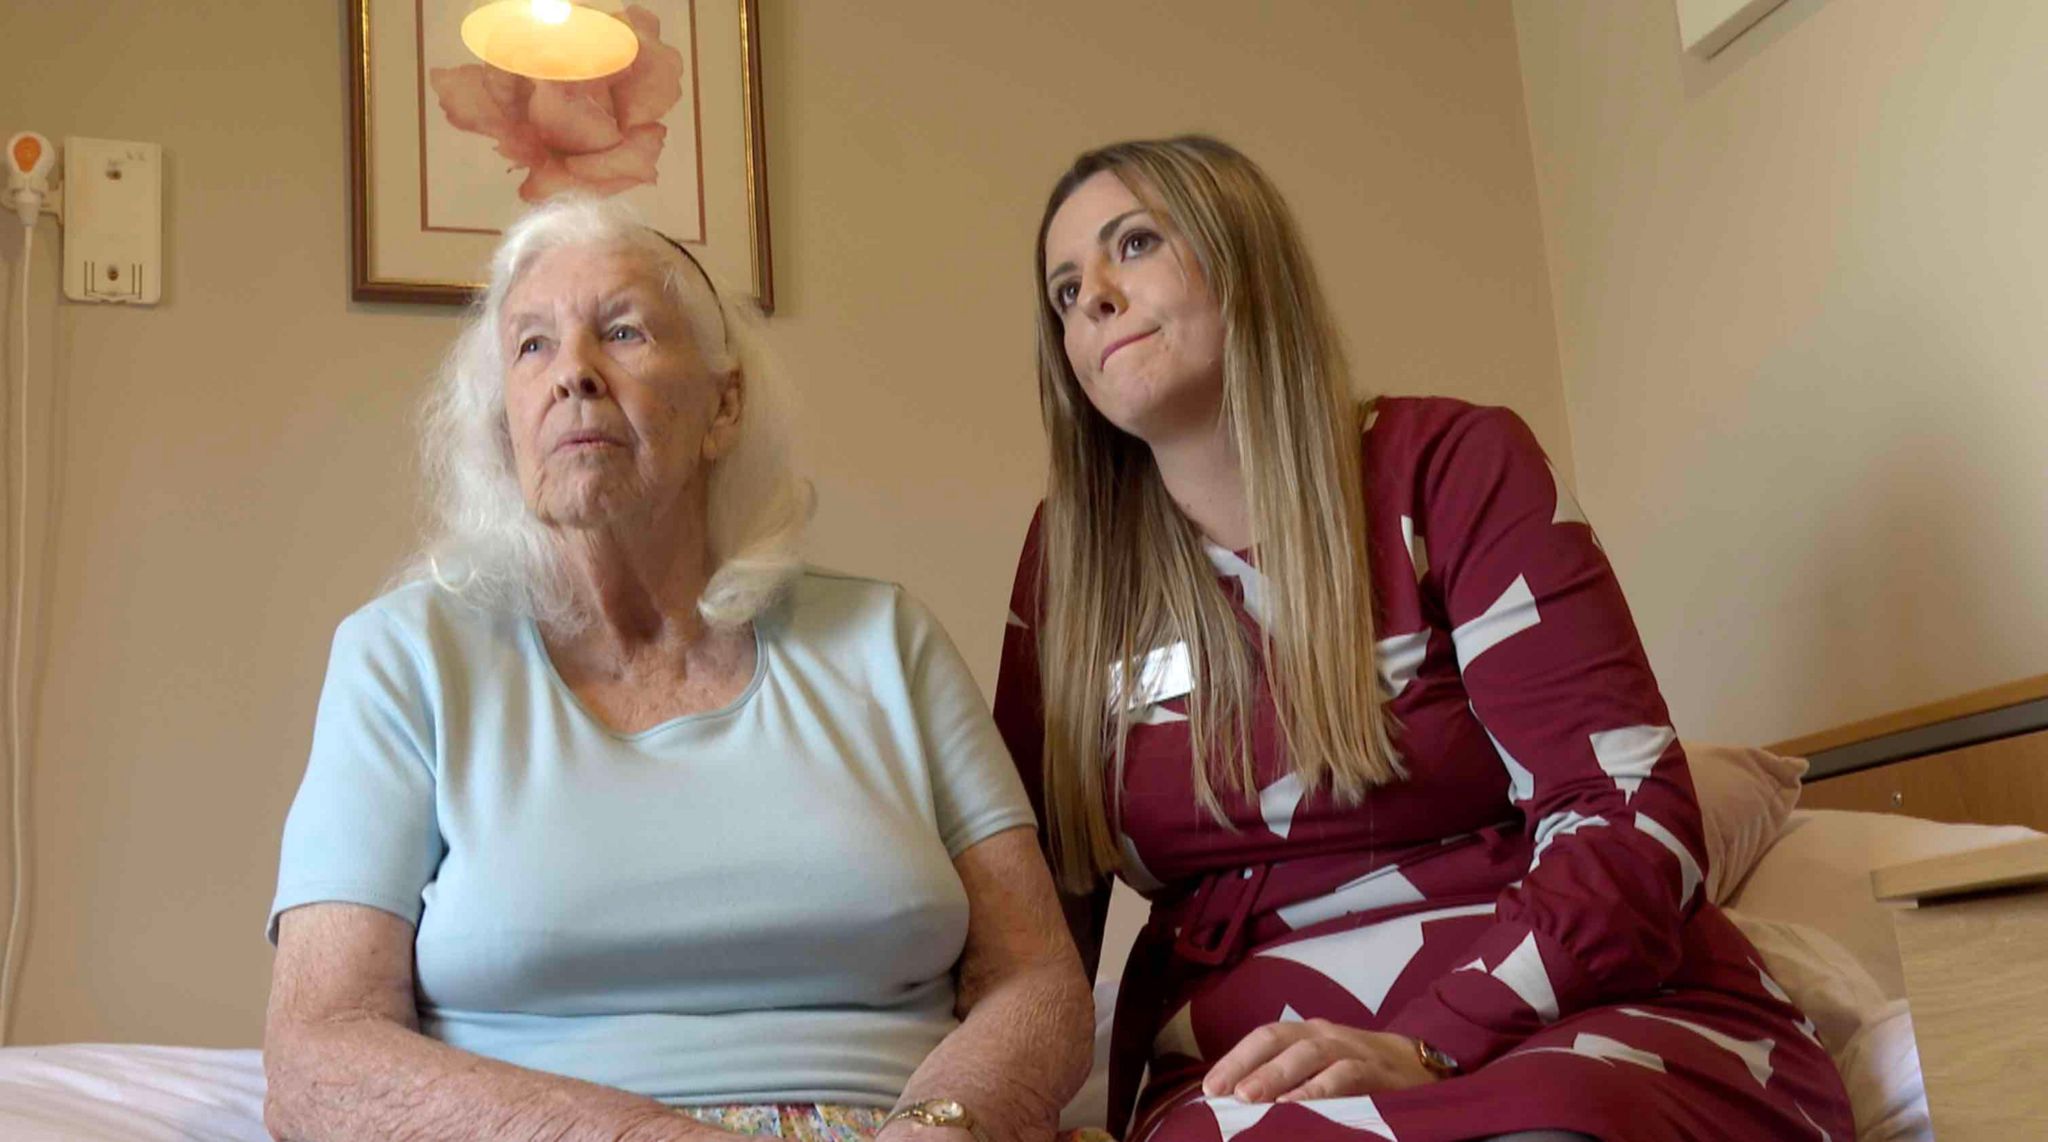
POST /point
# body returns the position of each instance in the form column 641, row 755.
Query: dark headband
column 708, row 284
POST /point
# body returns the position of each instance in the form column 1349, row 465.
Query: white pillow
column 1822, row 976
column 1881, row 1068
column 1818, row 874
column 1745, row 795
column 1869, row 1036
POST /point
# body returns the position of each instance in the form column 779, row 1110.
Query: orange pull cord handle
column 26, row 152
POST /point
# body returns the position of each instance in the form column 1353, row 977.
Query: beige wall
column 232, row 469
column 1800, row 296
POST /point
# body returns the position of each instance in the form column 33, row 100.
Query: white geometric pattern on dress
column 1247, row 576
column 1556, row 825
column 1367, row 961
column 1163, row 672
column 1602, row 1048
column 1688, row 868
column 1376, row 889
column 1806, row 1026
column 1524, row 974
column 1234, row 1115
column 1811, row 1032
column 1567, row 510
column 1157, row 716
column 1510, row 615
column 1630, row 753
column 1418, row 551
column 1133, row 869
column 1399, row 659
column 1770, row 985
column 1289, row 1015
column 1754, row 1053
column 1817, row 1128
column 1277, row 803
column 1358, row 1113
column 1475, row 965
column 1014, row 621
column 1521, row 782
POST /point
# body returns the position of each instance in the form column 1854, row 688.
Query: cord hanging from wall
column 30, row 159
column 112, row 252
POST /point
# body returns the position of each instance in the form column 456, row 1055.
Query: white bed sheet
column 128, row 1093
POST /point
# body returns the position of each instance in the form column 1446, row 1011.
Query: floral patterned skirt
column 800, row 1121
column 818, row 1122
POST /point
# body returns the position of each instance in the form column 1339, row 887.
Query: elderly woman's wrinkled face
column 1143, row 332
column 614, row 412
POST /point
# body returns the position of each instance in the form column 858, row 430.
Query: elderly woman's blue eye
column 622, row 333
column 530, row 345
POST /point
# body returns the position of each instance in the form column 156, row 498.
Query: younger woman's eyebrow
column 1101, row 235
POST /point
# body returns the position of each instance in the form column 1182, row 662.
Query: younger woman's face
column 1142, row 331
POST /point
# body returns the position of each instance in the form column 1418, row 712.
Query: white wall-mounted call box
column 113, row 221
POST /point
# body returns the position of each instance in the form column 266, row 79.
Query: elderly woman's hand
column 1287, row 1062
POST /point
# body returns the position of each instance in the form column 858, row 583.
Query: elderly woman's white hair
column 482, row 541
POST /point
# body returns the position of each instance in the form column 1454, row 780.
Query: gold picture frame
column 435, row 167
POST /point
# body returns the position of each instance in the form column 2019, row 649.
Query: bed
column 1792, row 845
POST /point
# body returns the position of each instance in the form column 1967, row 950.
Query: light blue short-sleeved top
column 755, row 904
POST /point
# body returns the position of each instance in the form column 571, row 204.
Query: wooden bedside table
column 1973, row 936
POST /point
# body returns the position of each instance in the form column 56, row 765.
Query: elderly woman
column 1352, row 694
column 620, row 825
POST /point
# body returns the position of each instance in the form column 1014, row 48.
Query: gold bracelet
column 940, row 1112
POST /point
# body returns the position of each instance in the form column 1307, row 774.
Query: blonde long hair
column 1124, row 572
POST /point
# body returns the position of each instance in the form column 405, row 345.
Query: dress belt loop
column 1220, row 912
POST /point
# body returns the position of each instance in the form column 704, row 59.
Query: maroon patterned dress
column 1530, row 899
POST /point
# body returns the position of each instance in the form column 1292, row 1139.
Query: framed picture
column 445, row 150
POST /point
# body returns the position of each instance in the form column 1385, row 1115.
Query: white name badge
column 1162, row 674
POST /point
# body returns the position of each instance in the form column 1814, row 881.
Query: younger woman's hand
column 1287, row 1062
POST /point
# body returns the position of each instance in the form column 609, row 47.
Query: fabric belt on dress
column 1205, row 928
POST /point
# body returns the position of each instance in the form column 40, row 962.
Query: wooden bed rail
column 1996, row 712
column 1980, row 757
column 1991, row 698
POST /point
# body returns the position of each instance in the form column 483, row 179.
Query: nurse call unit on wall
column 113, row 221
column 110, row 202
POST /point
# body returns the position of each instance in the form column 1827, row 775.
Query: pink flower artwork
column 598, row 135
